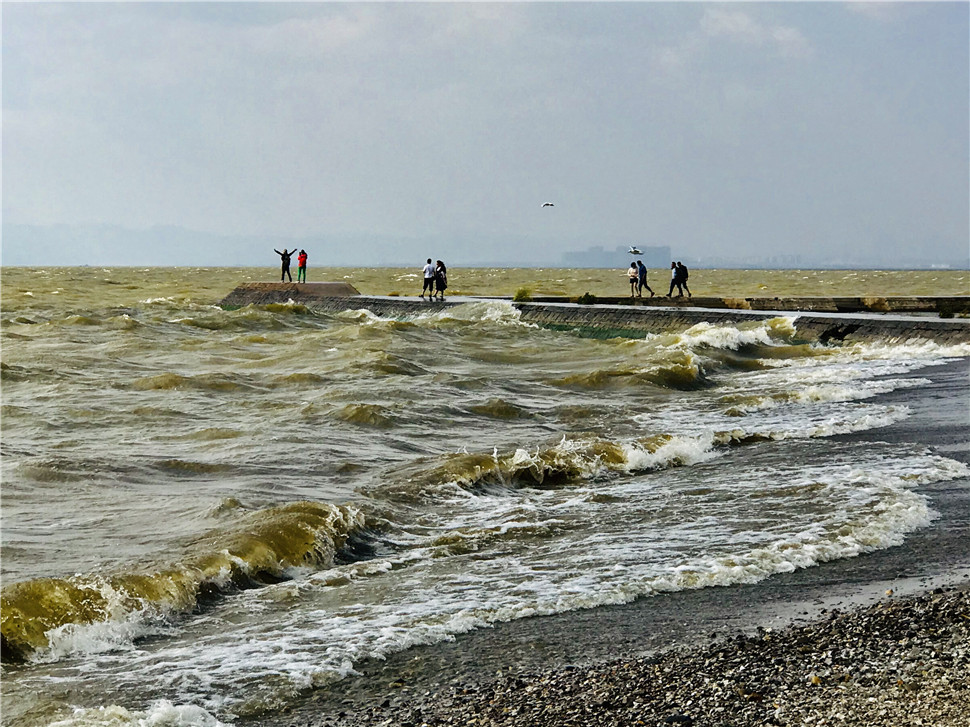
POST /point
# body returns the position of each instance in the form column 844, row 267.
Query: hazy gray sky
column 732, row 129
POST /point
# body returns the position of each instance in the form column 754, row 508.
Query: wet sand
column 503, row 675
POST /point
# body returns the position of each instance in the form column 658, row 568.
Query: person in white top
column 428, row 279
column 633, row 274
column 674, row 281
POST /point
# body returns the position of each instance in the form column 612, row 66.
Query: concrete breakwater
column 822, row 319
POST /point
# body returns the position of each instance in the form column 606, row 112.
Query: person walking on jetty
column 285, row 256
column 440, row 279
column 642, row 280
column 301, row 267
column 674, row 279
column 634, row 275
column 683, row 274
column 428, row 279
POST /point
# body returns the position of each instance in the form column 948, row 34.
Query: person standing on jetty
column 674, row 279
column 634, row 275
column 642, row 280
column 682, row 275
column 428, row 279
column 301, row 267
column 285, row 257
column 440, row 279
column 678, row 279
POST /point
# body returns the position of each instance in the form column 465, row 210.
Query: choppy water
column 207, row 513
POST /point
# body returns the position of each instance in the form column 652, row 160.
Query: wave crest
column 369, row 415
column 768, row 332
column 59, row 615
column 497, row 408
column 570, row 460
column 679, row 370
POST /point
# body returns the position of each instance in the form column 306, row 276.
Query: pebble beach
column 898, row 662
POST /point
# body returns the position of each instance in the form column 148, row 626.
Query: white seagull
column 548, row 204
column 634, row 251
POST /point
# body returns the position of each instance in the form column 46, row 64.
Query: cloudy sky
column 731, row 130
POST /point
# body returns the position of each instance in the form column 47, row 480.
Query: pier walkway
column 941, row 319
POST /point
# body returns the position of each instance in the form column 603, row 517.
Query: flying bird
column 634, row 251
column 548, row 204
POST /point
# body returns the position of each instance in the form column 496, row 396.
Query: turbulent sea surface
column 207, row 514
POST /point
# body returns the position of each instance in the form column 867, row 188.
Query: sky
column 371, row 133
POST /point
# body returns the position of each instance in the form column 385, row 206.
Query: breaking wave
column 161, row 713
column 742, row 404
column 569, row 461
column 52, row 617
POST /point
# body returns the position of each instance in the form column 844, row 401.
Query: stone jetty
column 944, row 319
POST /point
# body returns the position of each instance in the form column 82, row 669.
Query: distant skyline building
column 657, row 256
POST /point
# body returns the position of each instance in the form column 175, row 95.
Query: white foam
column 494, row 312
column 820, row 392
column 917, row 349
column 491, row 311
column 678, row 450
column 733, row 338
column 95, row 638
column 397, row 604
column 162, row 713
column 118, row 630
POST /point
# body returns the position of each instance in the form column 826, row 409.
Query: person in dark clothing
column 682, row 274
column 440, row 279
column 285, row 257
column 642, row 279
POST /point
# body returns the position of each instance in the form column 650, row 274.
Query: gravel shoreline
column 899, row 662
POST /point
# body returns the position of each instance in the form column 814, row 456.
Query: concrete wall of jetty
column 890, row 319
